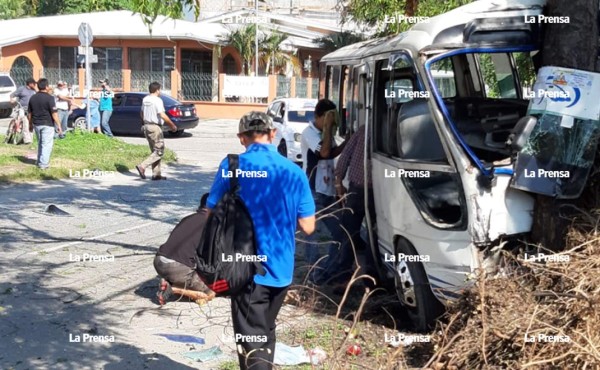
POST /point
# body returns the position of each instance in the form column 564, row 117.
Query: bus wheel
column 414, row 291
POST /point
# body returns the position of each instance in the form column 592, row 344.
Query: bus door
column 418, row 192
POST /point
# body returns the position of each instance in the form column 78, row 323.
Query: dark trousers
column 341, row 256
column 178, row 274
column 253, row 313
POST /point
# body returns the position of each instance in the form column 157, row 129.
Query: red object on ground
column 354, row 350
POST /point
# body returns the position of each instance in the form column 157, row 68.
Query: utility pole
column 256, row 38
column 86, row 38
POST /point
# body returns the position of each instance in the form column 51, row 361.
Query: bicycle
column 17, row 133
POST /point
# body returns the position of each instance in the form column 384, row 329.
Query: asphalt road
column 89, row 275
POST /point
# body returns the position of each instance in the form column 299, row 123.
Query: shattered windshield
column 560, row 150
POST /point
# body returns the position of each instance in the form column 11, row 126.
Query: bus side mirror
column 520, row 133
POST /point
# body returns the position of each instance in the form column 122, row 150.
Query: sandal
column 164, row 292
column 141, row 171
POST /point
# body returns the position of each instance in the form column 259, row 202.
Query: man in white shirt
column 63, row 99
column 318, row 150
column 153, row 114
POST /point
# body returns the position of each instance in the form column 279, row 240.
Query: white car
column 7, row 87
column 291, row 116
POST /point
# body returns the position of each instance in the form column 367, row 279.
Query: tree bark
column 410, row 8
column 570, row 45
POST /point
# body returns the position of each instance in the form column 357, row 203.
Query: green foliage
column 270, row 51
column 151, row 9
column 490, row 78
column 229, row 365
column 337, row 40
column 526, row 70
column 75, row 152
column 10, row 9
column 373, row 12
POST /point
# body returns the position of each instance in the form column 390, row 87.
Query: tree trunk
column 410, row 8
column 570, row 45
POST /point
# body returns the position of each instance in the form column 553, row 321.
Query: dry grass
column 498, row 323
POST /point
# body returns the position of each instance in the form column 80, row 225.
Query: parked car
column 126, row 114
column 7, row 87
column 291, row 116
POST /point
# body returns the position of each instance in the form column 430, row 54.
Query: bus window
column 497, row 73
column 357, row 100
column 443, row 76
column 400, row 88
column 393, row 87
column 333, row 83
column 342, row 104
column 525, row 71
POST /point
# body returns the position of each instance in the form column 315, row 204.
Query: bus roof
column 465, row 25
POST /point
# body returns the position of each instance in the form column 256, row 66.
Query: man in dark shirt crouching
column 175, row 263
column 43, row 118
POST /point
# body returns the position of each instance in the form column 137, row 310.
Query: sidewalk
column 48, row 298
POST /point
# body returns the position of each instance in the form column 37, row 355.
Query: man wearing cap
column 153, row 115
column 277, row 195
column 63, row 99
column 106, row 107
column 23, row 94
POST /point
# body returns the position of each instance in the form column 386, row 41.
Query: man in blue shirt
column 277, row 195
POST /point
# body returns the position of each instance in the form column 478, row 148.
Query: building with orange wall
column 186, row 57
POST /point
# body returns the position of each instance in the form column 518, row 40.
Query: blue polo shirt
column 277, row 194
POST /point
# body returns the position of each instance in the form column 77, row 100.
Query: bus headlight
column 297, row 137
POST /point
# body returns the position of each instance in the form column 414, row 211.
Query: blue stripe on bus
column 440, row 101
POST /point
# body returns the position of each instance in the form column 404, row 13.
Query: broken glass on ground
column 209, row 354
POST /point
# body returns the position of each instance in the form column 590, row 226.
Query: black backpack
column 227, row 260
column 185, row 237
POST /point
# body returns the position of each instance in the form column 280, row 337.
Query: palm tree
column 242, row 39
column 271, row 54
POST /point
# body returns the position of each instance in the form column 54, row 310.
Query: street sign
column 85, row 34
column 81, row 50
column 81, row 58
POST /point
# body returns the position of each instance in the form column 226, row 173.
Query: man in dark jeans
column 43, row 117
column 278, row 198
column 351, row 163
column 319, row 149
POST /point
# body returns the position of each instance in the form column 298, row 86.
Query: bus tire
column 414, row 291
